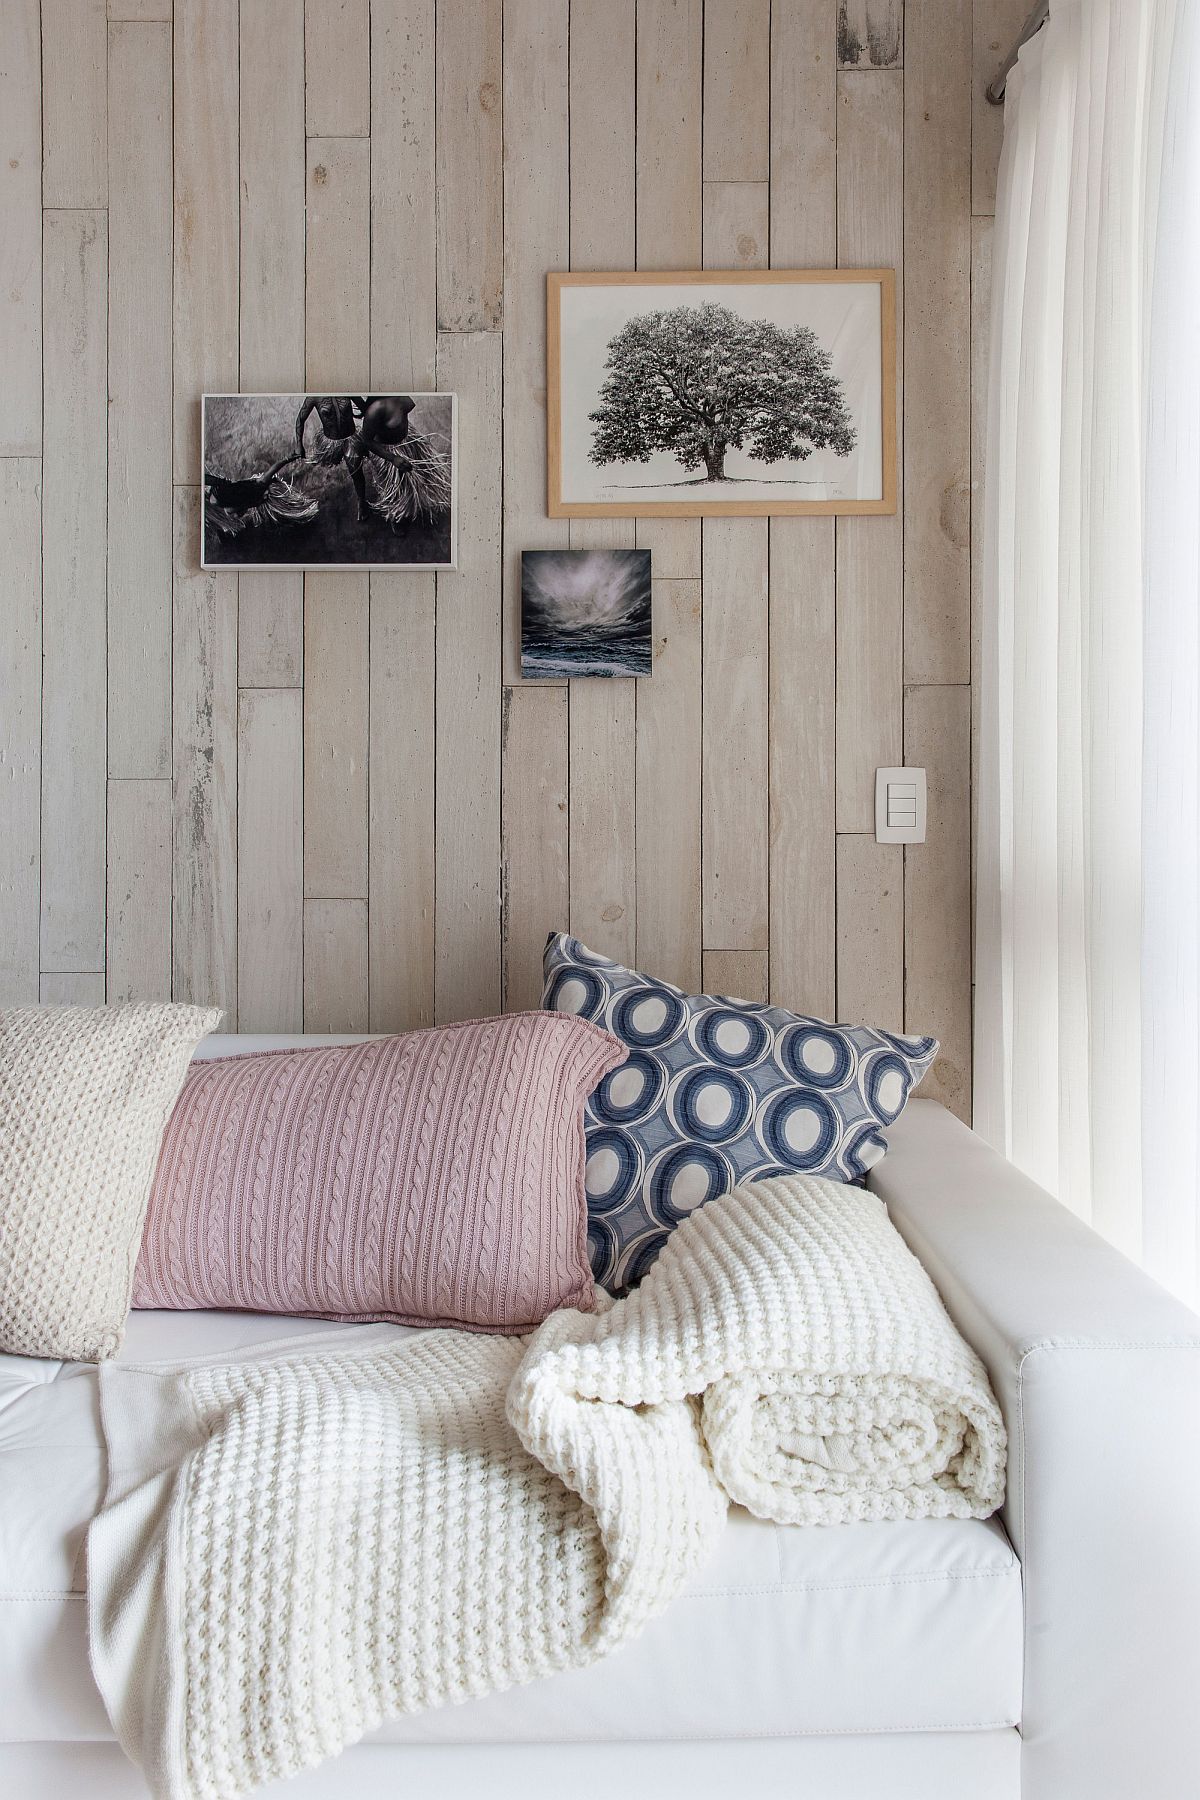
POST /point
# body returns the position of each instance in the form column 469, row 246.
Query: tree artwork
column 699, row 381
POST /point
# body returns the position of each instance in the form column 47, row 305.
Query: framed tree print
column 721, row 392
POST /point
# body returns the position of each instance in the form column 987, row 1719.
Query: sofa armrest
column 1097, row 1370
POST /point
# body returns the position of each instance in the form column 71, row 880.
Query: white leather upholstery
column 1098, row 1372
column 970, row 1765
column 856, row 1628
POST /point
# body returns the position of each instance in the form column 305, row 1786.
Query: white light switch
column 899, row 806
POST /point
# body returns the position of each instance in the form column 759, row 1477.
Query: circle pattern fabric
column 715, row 1091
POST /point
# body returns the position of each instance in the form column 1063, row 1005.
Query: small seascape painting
column 585, row 613
column 328, row 481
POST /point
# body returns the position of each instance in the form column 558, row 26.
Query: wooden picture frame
column 602, row 332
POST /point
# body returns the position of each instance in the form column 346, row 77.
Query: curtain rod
column 1032, row 25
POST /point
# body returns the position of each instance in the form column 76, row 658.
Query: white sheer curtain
column 1087, row 1018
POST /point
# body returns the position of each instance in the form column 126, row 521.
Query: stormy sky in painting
column 585, row 612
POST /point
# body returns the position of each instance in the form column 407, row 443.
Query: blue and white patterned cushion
column 715, row 1091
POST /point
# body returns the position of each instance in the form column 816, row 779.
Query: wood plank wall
column 331, row 802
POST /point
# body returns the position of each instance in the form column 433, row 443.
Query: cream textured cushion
column 85, row 1093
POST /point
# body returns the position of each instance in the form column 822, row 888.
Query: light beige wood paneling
column 737, row 224
column 271, row 156
column 403, row 205
column 270, row 943
column 467, row 758
column 870, row 552
column 870, row 34
column 735, row 791
column 341, row 185
column 401, row 836
column 470, row 150
column 139, row 891
column 937, row 890
column 737, row 42
column 937, row 333
column 337, row 328
column 337, row 60
column 21, row 228
column 335, row 965
column 668, row 791
column 536, row 874
column 981, row 308
column 205, row 41
column 74, row 103
column 536, row 239
column 74, row 632
column 139, row 401
column 738, row 974
column 336, row 700
column 72, row 988
column 870, row 932
column 670, row 228
column 20, row 729
column 995, row 25
column 204, row 850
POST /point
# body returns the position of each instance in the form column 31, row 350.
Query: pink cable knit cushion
column 429, row 1179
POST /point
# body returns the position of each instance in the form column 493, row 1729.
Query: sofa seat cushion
column 790, row 1630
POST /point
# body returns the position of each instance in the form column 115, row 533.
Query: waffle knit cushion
column 433, row 1178
column 84, row 1095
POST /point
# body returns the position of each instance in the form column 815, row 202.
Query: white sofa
column 1052, row 1653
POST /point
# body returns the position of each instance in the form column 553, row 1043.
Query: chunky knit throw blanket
column 299, row 1545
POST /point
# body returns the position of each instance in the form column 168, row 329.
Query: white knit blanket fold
column 326, row 1534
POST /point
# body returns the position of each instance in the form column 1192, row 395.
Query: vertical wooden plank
column 467, row 980
column 271, row 325
column 937, row 890
column 937, row 350
column 74, row 755
column 146, row 10
column 870, row 34
column 668, row 791
column 735, row 783
column 20, row 729
column 205, row 40
column 139, row 891
column 401, row 834
column 72, row 987
column 802, row 583
column 870, row 603
column 470, row 151
column 21, row 228
column 74, row 103
column 337, row 330
column 995, row 25
column 535, row 883
column 536, row 238
column 337, row 61
column 670, row 93
column 603, row 861
column 335, row 965
column 336, row 699
column 738, row 974
column 737, row 224
column 204, row 848
column 139, row 409
column 870, row 932
column 270, row 939
column 981, row 310
column 737, row 37
column 403, row 231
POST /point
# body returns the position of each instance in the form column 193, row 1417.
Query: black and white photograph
column 585, row 613
column 721, row 393
column 329, row 481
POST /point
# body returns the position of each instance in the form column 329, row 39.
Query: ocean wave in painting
column 585, row 613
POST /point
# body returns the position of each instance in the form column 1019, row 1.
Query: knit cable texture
column 365, row 1530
